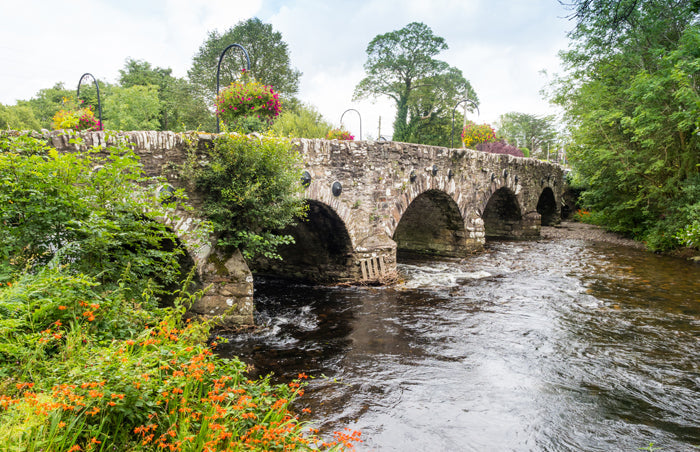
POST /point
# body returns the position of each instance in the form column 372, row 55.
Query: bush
column 473, row 134
column 252, row 190
column 56, row 207
column 247, row 105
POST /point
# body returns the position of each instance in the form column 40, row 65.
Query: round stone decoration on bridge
column 166, row 193
column 306, row 179
column 337, row 188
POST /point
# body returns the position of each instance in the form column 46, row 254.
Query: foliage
column 18, row 117
column 134, row 108
column 632, row 102
column 432, row 106
column 94, row 370
column 400, row 65
column 88, row 361
column 56, row 207
column 339, row 134
column 474, row 134
column 269, row 59
column 301, row 121
column 538, row 133
column 179, row 110
column 47, row 102
column 252, row 189
column 246, row 98
column 500, row 147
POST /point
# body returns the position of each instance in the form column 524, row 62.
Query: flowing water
column 530, row 346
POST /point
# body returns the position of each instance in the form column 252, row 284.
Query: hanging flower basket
column 247, row 99
column 339, row 134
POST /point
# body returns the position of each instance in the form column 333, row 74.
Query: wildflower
column 62, row 308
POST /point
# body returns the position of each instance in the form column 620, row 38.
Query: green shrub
column 252, row 190
column 71, row 207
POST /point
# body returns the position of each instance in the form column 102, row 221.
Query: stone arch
column 322, row 251
column 502, row 215
column 547, row 207
column 431, row 224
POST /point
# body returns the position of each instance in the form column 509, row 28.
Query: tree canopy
column 632, row 102
column 270, row 62
column 401, row 65
column 537, row 133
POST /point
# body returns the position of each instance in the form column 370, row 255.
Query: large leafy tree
column 270, row 63
column 47, row 102
column 134, row 108
column 524, row 130
column 432, row 104
column 18, row 117
column 179, row 108
column 401, row 65
column 631, row 98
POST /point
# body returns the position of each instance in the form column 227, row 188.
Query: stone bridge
column 369, row 202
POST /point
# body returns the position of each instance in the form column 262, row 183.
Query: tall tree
column 179, row 108
column 134, row 108
column 431, row 105
column 537, row 133
column 401, row 65
column 270, row 63
column 632, row 100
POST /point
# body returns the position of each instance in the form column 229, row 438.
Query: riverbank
column 583, row 231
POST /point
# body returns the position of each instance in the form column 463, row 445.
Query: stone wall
column 380, row 180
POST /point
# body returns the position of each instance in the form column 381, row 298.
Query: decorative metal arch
column 358, row 114
column 99, row 103
column 218, row 72
column 452, row 134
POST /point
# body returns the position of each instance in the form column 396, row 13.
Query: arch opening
column 547, row 207
column 431, row 225
column 502, row 216
column 321, row 251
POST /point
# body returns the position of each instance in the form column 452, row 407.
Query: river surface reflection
column 551, row 345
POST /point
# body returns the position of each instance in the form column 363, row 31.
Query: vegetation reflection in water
column 551, row 345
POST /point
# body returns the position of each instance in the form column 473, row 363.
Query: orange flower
column 62, row 308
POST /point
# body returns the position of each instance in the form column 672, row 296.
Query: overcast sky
column 501, row 46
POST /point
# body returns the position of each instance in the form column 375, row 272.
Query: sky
column 507, row 49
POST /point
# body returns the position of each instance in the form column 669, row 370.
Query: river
column 551, row 345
